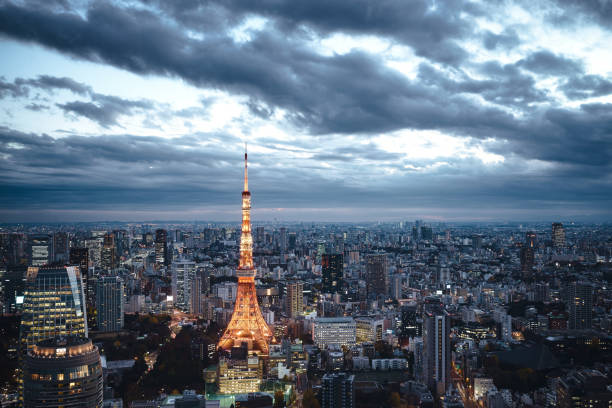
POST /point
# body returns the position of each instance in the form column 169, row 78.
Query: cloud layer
column 526, row 126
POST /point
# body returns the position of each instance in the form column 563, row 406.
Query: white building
column 339, row 331
column 183, row 273
column 386, row 364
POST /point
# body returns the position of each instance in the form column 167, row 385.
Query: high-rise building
column 377, row 275
column 39, row 250
column 247, row 324
column 437, row 349
column 110, row 303
column 63, row 372
column 282, row 241
column 183, row 274
column 80, row 257
column 195, row 295
column 396, row 286
column 108, row 257
column 426, row 233
column 294, row 305
column 411, row 323
column 162, row 257
column 528, row 254
column 580, row 305
column 61, row 245
column 260, row 235
column 53, row 306
column 338, row 331
column 13, row 289
column 292, row 240
column 332, row 268
column 558, row 235
column 337, row 390
column 12, row 249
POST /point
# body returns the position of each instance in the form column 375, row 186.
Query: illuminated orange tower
column 247, row 323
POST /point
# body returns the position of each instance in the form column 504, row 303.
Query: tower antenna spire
column 246, row 174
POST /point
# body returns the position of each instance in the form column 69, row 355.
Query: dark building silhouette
column 161, row 248
column 558, row 235
column 377, row 277
column 332, row 268
column 337, row 391
column 580, row 305
column 63, row 372
column 13, row 289
column 80, row 257
column 108, row 257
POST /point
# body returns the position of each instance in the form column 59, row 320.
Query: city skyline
column 470, row 111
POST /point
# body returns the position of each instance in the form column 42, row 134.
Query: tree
column 395, row 400
column 279, row 399
column 309, row 400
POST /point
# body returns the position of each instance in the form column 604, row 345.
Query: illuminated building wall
column 63, row 373
column 239, row 376
column 339, row 331
column 53, row 306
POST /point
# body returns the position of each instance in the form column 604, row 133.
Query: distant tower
column 558, row 235
column 332, row 270
column 247, row 324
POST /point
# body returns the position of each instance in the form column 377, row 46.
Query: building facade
column 110, row 303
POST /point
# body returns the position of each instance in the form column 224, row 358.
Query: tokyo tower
column 247, row 324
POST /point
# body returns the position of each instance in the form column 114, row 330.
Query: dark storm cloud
column 42, row 173
column 599, row 11
column 547, row 63
column 105, row 109
column 340, row 93
column 506, row 85
column 430, row 28
column 586, row 86
column 506, row 40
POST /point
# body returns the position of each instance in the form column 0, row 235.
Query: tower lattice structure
column 247, row 323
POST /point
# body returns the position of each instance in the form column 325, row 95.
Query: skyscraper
column 39, row 250
column 53, row 306
column 580, row 305
column 183, row 273
column 13, row 288
column 283, row 239
column 247, row 324
column 61, row 243
column 377, row 276
column 437, row 350
column 162, row 257
column 332, row 269
column 108, row 258
column 195, row 295
column 294, row 305
column 63, row 372
column 80, row 257
column 110, row 303
column 558, row 235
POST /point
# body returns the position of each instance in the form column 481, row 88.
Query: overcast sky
column 352, row 110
